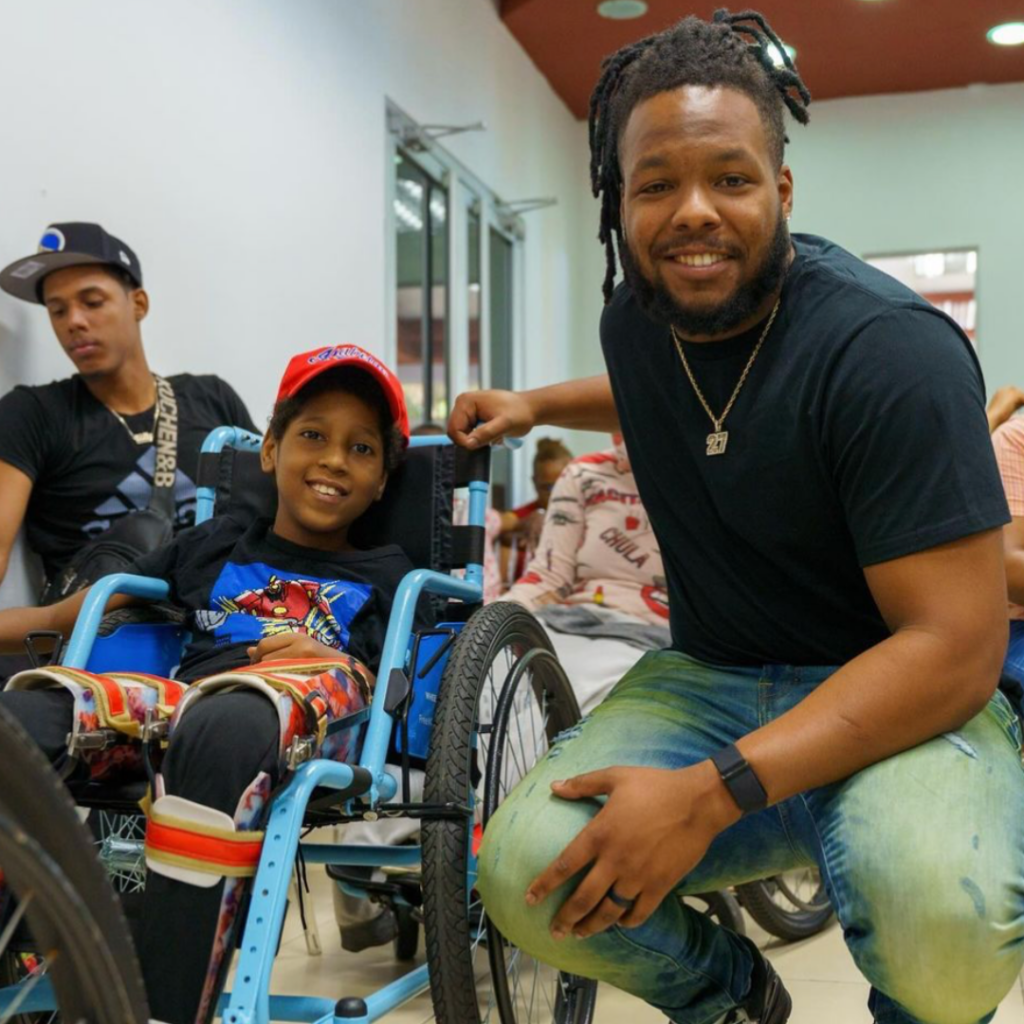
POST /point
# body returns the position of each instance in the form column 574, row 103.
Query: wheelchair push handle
column 35, row 655
column 432, row 440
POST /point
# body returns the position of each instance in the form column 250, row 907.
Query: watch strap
column 740, row 779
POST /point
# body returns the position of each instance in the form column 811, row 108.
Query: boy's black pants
column 220, row 746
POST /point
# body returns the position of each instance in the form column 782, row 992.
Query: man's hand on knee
column 653, row 830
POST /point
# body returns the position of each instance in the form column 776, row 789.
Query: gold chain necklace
column 720, row 438
column 141, row 436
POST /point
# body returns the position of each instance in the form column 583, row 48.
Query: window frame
column 406, row 138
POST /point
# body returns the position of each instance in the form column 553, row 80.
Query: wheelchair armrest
column 87, row 625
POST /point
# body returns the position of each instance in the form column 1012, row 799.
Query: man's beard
column 657, row 303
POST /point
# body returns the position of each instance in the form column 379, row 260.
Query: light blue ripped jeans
column 922, row 854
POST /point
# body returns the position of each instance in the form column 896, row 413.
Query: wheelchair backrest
column 415, row 511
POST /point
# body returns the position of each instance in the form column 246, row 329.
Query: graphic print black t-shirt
column 87, row 472
column 241, row 584
column 859, row 436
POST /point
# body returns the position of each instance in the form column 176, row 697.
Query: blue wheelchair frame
column 250, row 1001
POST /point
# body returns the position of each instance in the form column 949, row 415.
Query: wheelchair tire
column 722, row 907
column 468, row 986
column 50, row 867
column 790, row 906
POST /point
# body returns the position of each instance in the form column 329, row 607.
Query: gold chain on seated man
column 720, row 438
column 139, row 436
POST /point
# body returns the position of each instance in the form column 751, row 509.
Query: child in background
column 521, row 527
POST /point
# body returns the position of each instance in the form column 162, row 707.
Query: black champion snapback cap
column 67, row 245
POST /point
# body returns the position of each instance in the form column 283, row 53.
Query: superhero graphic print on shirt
column 250, row 602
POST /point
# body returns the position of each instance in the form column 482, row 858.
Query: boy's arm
column 16, row 623
column 15, row 491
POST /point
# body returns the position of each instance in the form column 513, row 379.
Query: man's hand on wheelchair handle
column 653, row 830
column 295, row 646
column 483, row 417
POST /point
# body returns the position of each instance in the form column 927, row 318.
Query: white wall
column 239, row 147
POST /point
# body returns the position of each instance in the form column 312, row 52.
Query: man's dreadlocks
column 734, row 50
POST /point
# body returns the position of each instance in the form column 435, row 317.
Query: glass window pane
column 438, row 303
column 421, row 223
column 476, row 377
column 948, row 280
column 410, row 225
column 501, row 353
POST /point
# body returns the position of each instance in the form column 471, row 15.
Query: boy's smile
column 329, row 469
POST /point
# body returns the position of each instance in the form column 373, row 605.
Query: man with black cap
column 79, row 454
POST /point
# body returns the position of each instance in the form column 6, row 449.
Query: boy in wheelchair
column 287, row 610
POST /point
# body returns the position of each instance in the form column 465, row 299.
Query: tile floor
column 818, row 972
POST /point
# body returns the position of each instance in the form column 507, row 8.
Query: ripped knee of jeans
column 559, row 743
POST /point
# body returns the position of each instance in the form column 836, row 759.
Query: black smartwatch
column 740, row 780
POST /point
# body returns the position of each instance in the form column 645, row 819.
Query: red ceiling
column 844, row 47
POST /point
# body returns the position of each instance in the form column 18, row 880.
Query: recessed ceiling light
column 773, row 52
column 1010, row 34
column 622, row 10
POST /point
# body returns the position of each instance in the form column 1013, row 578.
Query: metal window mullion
column 457, row 350
column 391, row 255
column 485, row 297
column 427, row 317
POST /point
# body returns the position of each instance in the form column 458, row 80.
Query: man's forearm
column 902, row 692
column 584, row 404
column 16, row 623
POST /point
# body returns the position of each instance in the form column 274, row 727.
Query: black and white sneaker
column 768, row 1002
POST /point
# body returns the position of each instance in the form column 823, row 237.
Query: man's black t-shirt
column 240, row 584
column 859, row 437
column 86, row 470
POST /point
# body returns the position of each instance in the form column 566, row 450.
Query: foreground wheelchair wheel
column 62, row 934
column 790, row 906
column 502, row 701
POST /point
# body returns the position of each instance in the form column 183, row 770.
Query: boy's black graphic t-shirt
column 86, row 470
column 858, row 437
column 241, row 584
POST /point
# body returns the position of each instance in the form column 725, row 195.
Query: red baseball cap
column 303, row 368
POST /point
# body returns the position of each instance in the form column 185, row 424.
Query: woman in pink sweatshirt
column 596, row 580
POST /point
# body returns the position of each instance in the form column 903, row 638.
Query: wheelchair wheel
column 791, row 906
column 722, row 907
column 57, row 905
column 502, row 700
